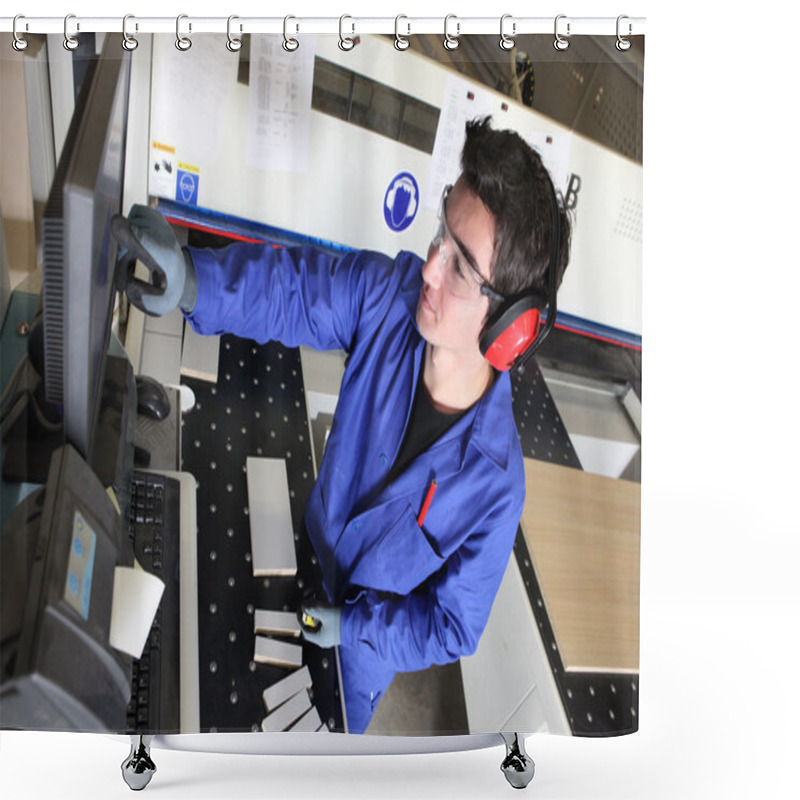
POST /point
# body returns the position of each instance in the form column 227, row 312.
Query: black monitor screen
column 79, row 253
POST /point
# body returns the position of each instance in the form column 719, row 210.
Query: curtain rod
column 562, row 25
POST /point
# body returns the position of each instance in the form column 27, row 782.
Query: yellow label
column 165, row 147
column 188, row 167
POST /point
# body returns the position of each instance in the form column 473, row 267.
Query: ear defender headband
column 515, row 333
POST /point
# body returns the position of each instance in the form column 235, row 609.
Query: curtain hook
column 506, row 42
column 19, row 43
column 233, row 44
column 561, row 42
column 128, row 42
column 289, row 45
column 70, row 42
column 182, row 42
column 401, row 42
column 451, row 42
column 345, row 43
column 622, row 43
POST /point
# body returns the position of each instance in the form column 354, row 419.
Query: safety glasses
column 461, row 277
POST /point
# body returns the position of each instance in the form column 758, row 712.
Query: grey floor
column 423, row 703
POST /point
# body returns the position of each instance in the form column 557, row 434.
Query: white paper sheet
column 279, row 114
column 463, row 100
column 133, row 607
column 190, row 94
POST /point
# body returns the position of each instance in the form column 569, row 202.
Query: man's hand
column 145, row 235
column 329, row 633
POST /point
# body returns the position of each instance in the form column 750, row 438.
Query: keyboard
column 154, row 528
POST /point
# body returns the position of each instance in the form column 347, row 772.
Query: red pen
column 427, row 504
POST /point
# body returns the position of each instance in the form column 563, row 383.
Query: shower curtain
column 336, row 150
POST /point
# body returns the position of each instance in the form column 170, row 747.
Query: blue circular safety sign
column 401, row 202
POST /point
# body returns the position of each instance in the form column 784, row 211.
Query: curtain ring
column 233, row 44
column 451, row 42
column 19, row 43
column 561, row 42
column 622, row 43
column 70, row 42
column 401, row 42
column 345, row 42
column 506, row 42
column 128, row 42
column 183, row 43
column 290, row 45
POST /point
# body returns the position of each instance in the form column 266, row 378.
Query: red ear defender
column 512, row 333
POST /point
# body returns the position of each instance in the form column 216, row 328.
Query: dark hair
column 509, row 177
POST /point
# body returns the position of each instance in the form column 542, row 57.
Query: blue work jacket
column 412, row 596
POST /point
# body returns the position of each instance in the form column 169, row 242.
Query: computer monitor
column 79, row 253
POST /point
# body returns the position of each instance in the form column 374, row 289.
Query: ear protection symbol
column 401, row 202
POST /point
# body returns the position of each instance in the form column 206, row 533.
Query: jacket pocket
column 405, row 557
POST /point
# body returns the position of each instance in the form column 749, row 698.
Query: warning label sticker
column 163, row 170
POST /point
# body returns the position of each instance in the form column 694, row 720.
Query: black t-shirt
column 425, row 426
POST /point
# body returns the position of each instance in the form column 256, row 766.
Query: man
column 421, row 488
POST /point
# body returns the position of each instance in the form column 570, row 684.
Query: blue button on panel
column 77, row 546
column 73, row 583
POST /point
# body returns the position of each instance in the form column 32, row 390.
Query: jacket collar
column 484, row 427
column 490, row 430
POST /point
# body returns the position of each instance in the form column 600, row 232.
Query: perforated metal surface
column 257, row 409
column 541, row 431
column 612, row 112
column 629, row 221
column 591, row 87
